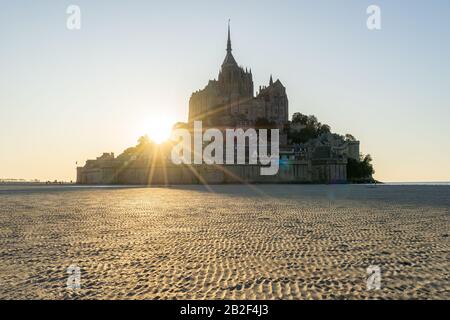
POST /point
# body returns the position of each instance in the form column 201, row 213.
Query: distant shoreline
column 43, row 184
column 37, row 183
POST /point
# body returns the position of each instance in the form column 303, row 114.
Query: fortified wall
column 140, row 172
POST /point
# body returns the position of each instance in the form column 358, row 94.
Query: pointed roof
column 270, row 81
column 278, row 83
column 229, row 38
column 229, row 59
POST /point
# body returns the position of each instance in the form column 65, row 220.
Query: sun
column 158, row 128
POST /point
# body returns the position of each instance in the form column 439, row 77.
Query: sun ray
column 200, row 178
column 152, row 169
column 164, row 169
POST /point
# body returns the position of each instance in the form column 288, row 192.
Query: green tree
column 299, row 118
column 143, row 141
column 312, row 122
column 312, row 128
column 323, row 128
column 360, row 170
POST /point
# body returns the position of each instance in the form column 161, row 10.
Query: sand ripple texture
column 231, row 242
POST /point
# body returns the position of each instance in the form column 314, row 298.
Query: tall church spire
column 229, row 38
column 229, row 59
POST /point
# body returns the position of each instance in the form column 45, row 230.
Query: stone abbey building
column 229, row 101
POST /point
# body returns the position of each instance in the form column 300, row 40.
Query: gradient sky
column 68, row 96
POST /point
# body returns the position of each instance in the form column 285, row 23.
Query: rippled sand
column 238, row 242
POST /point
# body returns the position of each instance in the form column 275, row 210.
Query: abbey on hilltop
column 309, row 152
column 230, row 101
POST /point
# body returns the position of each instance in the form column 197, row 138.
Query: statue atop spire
column 229, row 38
column 229, row 59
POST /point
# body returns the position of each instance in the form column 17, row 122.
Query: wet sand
column 231, row 242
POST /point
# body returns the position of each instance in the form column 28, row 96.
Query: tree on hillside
column 299, row 118
column 361, row 169
column 143, row 140
column 323, row 128
column 311, row 130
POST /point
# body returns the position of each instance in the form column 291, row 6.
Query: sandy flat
column 231, row 242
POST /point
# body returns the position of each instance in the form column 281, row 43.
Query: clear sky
column 67, row 96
